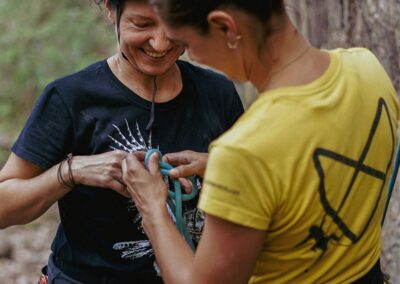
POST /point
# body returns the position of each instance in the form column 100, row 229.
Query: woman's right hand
column 102, row 170
column 186, row 163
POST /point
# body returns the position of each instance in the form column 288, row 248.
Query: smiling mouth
column 156, row 55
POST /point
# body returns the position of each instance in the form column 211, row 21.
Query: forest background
column 42, row 40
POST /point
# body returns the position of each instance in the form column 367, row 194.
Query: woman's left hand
column 146, row 187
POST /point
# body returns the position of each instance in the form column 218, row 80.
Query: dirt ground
column 24, row 249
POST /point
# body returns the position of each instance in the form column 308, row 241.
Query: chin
column 155, row 71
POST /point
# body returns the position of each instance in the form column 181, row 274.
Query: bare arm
column 227, row 252
column 26, row 191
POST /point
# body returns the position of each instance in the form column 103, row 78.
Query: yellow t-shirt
column 310, row 165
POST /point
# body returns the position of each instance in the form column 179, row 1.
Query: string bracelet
column 70, row 183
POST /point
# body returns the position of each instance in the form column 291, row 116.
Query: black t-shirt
column 99, row 239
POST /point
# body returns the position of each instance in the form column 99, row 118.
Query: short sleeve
column 46, row 137
column 237, row 188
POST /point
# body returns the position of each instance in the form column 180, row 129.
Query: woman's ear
column 224, row 24
column 110, row 13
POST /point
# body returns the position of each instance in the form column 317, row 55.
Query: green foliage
column 42, row 40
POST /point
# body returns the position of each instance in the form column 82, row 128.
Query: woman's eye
column 141, row 25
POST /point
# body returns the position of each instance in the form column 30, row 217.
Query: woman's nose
column 159, row 41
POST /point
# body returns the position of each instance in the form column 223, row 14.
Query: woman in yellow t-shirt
column 294, row 191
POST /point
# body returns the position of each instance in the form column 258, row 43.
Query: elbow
column 9, row 219
column 4, row 224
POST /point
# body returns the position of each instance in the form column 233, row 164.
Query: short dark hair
column 179, row 13
column 116, row 3
column 113, row 3
column 117, row 6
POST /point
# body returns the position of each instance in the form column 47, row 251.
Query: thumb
column 154, row 166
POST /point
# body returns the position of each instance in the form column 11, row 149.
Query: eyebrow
column 136, row 15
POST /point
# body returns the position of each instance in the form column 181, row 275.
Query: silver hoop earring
column 235, row 44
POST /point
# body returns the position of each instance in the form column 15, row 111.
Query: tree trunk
column 374, row 24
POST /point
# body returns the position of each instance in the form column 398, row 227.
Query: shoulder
column 203, row 76
column 213, row 88
column 82, row 78
column 357, row 56
column 363, row 63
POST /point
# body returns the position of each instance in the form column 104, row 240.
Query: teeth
column 155, row 54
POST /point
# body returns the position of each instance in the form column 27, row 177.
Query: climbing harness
column 392, row 181
column 175, row 198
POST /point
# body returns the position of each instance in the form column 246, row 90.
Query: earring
column 235, row 44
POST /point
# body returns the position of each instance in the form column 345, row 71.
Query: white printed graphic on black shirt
column 130, row 142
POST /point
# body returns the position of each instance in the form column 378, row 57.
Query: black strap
column 44, row 270
column 374, row 276
column 153, row 100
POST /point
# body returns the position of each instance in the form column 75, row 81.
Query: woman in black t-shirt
column 82, row 127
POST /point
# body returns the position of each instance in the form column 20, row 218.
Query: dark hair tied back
column 178, row 13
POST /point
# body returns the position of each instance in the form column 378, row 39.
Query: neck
column 284, row 52
column 169, row 84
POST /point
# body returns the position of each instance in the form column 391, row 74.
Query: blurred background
column 42, row 40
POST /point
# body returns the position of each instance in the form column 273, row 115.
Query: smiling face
column 143, row 39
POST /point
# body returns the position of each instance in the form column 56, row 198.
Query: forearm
column 173, row 254
column 24, row 200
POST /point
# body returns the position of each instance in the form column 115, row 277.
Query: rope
column 175, row 198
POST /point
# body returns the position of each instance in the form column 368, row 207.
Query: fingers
column 183, row 171
column 140, row 155
column 118, row 157
column 119, row 153
column 154, row 166
column 120, row 188
column 131, row 168
column 132, row 163
column 124, row 167
column 186, row 184
column 178, row 158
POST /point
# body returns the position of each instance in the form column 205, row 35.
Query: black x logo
column 361, row 171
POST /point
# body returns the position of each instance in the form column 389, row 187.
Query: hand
column 186, row 163
column 102, row 170
column 146, row 187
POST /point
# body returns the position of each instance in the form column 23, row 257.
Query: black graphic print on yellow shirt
column 355, row 196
